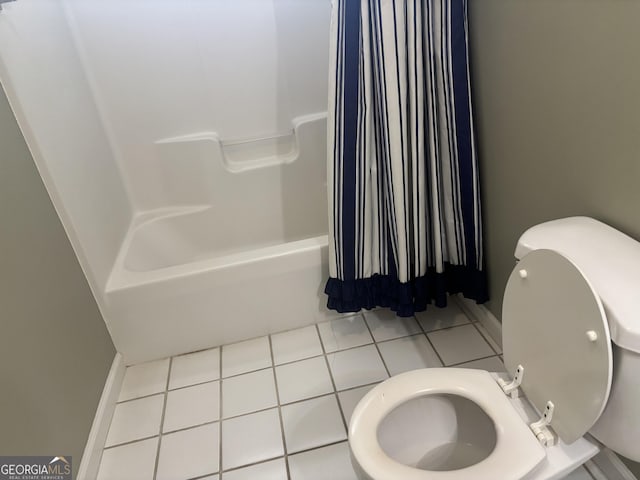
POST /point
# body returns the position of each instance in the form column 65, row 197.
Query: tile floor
column 277, row 407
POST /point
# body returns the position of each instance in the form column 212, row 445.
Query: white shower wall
column 165, row 68
column 46, row 84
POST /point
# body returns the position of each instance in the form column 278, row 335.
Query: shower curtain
column 404, row 203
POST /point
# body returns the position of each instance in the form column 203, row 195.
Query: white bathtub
column 248, row 260
column 185, row 306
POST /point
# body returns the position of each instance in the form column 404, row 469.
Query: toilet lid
column 554, row 325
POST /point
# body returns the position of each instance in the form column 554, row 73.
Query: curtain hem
column 406, row 298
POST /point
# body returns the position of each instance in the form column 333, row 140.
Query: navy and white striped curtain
column 404, row 202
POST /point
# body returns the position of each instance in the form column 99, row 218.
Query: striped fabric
column 404, row 202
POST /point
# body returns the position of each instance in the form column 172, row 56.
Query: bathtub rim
column 122, row 278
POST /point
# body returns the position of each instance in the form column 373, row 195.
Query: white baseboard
column 90, row 462
column 481, row 314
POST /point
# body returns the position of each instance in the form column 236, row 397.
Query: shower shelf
column 246, row 154
column 240, row 155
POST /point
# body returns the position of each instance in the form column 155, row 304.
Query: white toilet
column 571, row 339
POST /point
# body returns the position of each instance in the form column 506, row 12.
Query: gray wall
column 55, row 351
column 557, row 95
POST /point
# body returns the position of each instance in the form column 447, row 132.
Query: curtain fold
column 404, row 203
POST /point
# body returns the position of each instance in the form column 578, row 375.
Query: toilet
column 571, row 340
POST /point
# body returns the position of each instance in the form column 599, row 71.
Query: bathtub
column 176, row 306
column 248, row 261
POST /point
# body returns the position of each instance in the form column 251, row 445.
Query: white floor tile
column 408, row 353
column 251, row 438
column 272, row 470
column 312, row 423
column 248, row 393
column 135, row 419
column 189, row 453
column 350, row 398
column 303, row 379
column 332, row 462
column 483, row 331
column 296, row 345
column 192, row 406
column 434, row 318
column 135, row 461
column 491, row 364
column 460, row 344
column 246, row 356
column 198, row 367
column 345, row 332
column 386, row 325
column 355, row 367
column 144, row 379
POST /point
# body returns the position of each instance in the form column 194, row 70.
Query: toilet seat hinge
column 541, row 428
column 511, row 388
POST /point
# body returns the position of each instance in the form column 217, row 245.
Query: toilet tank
column 608, row 258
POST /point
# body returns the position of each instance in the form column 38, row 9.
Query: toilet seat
column 517, row 451
column 554, row 325
column 554, row 328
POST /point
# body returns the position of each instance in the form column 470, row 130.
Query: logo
column 35, row 468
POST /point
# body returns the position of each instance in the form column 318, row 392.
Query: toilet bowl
column 535, row 422
column 447, row 419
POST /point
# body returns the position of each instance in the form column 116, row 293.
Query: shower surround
column 184, row 147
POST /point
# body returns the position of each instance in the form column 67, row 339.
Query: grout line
column 474, row 360
column 145, row 397
column 252, row 464
column 197, row 384
column 128, row 400
column 129, row 442
column 484, row 337
column 284, row 457
column 206, row 349
column 372, row 384
column 384, row 364
column 417, row 334
column 444, row 365
column 424, row 332
column 265, row 460
column 298, row 360
column 164, row 409
column 190, row 427
column 248, row 371
column 333, row 384
column 337, row 442
column 275, row 381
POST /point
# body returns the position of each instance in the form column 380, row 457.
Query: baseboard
column 606, row 465
column 90, row 462
column 481, row 314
